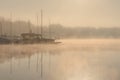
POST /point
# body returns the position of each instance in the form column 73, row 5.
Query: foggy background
column 97, row 13
column 62, row 18
column 57, row 30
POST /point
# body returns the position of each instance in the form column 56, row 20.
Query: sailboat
column 30, row 38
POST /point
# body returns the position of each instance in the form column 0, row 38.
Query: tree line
column 16, row 28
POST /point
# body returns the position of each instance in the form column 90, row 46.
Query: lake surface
column 75, row 59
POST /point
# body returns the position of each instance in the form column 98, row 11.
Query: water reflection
column 81, row 60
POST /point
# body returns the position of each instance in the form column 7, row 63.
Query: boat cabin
column 30, row 36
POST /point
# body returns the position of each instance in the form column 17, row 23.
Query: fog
column 56, row 30
column 67, row 12
column 59, row 40
column 73, row 59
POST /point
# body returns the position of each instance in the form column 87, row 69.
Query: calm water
column 85, row 59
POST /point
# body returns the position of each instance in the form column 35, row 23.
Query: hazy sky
column 67, row 12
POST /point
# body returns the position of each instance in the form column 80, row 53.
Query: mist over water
column 73, row 59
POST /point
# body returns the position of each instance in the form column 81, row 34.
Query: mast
column 29, row 26
column 41, row 24
column 37, row 23
column 11, row 25
column 49, row 29
column 1, row 28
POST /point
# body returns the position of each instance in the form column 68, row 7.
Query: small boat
column 32, row 38
column 4, row 40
